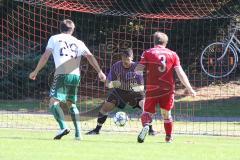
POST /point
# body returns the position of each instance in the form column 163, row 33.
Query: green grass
column 217, row 108
column 19, row 105
column 211, row 108
column 42, row 121
column 38, row 145
column 39, row 105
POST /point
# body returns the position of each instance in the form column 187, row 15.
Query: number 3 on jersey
column 163, row 65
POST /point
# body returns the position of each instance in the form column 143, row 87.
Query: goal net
column 106, row 27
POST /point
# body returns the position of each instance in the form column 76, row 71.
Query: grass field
column 214, row 108
column 35, row 142
column 47, row 122
column 212, row 101
column 38, row 145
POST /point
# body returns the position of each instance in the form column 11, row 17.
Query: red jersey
column 159, row 63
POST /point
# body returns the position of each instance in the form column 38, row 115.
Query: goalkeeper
column 126, row 88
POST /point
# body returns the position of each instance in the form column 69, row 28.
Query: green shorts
column 65, row 87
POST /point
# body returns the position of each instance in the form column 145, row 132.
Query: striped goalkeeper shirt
column 126, row 76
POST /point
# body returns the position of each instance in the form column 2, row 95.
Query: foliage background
column 21, row 53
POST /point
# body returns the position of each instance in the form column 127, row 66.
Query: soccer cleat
column 143, row 134
column 168, row 139
column 92, row 132
column 152, row 133
column 61, row 133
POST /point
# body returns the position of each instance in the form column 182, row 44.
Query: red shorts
column 165, row 102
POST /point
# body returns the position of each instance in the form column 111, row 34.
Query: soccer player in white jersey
column 67, row 51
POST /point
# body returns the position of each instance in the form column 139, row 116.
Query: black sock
column 98, row 128
column 150, row 127
column 101, row 119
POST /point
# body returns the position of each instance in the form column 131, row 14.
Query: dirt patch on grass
column 212, row 92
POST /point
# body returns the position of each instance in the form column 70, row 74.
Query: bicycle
column 219, row 59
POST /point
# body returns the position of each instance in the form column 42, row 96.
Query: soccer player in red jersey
column 127, row 89
column 160, row 64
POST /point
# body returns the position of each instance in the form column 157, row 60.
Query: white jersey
column 67, row 51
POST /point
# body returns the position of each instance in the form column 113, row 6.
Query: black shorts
column 121, row 98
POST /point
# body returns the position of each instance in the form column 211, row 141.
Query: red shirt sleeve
column 176, row 61
column 143, row 60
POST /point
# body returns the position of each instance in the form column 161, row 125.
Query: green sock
column 58, row 115
column 76, row 119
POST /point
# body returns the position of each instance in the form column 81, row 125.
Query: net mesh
column 185, row 9
column 106, row 27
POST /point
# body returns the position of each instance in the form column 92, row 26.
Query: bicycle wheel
column 217, row 65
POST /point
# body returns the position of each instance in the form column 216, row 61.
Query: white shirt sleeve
column 50, row 44
column 83, row 50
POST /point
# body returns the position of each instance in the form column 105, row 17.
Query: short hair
column 160, row 38
column 67, row 26
column 127, row 52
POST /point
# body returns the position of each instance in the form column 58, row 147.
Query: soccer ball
column 120, row 119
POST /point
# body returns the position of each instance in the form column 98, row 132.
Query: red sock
column 168, row 125
column 146, row 119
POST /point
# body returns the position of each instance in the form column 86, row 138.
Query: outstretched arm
column 91, row 59
column 184, row 79
column 42, row 62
